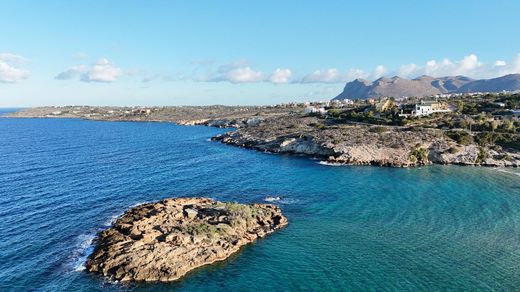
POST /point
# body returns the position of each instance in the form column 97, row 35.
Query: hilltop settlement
column 465, row 129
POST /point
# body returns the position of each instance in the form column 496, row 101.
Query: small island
column 163, row 241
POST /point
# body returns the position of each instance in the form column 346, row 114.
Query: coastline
column 291, row 131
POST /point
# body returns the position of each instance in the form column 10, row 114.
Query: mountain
column 426, row 85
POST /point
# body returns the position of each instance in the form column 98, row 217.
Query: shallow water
column 351, row 228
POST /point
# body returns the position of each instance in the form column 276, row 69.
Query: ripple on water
column 351, row 228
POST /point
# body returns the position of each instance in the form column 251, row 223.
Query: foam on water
column 509, row 171
column 81, row 252
column 272, row 199
column 331, row 163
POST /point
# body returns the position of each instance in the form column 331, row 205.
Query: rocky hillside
column 363, row 144
column 426, row 85
column 163, row 241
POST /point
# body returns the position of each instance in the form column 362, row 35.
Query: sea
column 351, row 228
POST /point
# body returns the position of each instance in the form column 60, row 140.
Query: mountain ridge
column 426, row 85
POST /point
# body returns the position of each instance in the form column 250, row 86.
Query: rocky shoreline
column 365, row 145
column 163, row 241
column 290, row 130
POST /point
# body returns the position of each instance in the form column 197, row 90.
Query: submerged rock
column 163, row 241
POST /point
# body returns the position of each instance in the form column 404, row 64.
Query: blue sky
column 241, row 52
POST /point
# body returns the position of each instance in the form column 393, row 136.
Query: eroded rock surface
column 163, row 241
column 357, row 144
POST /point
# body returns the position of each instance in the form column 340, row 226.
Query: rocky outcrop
column 364, row 145
column 224, row 123
column 163, row 241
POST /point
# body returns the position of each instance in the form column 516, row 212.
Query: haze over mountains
column 426, row 86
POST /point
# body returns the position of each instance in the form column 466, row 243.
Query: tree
column 493, row 125
column 509, row 126
column 460, row 106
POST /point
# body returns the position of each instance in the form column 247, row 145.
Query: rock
column 163, row 241
column 191, row 213
column 358, row 145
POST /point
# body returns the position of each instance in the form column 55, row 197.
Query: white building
column 425, row 108
column 314, row 110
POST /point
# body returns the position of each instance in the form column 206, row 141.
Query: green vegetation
column 453, row 150
column 378, row 129
column 199, row 229
column 482, row 155
column 461, row 137
column 239, row 213
column 418, row 154
column 487, row 120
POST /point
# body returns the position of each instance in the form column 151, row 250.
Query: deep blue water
column 351, row 228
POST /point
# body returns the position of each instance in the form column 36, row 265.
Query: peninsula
column 464, row 129
column 165, row 240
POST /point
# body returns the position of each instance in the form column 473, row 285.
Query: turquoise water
column 351, row 228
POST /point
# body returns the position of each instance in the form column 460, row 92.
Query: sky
column 127, row 52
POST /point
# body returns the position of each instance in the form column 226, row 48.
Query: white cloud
column 12, row 58
column 514, row 68
column 331, row 75
column 408, row 70
column 101, row 71
column 469, row 65
column 238, row 72
column 355, row 74
column 10, row 72
column 243, row 75
column 72, row 72
column 280, row 76
column 379, row 72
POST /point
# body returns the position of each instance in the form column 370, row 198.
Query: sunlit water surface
column 351, row 228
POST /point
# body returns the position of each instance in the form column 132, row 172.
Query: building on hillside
column 372, row 101
column 314, row 110
column 384, row 105
column 425, row 108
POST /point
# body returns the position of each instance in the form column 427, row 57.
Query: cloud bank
column 101, row 71
column 10, row 71
column 469, row 65
column 333, row 75
column 241, row 72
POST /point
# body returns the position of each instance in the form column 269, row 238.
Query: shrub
column 239, row 213
column 418, row 154
column 461, row 137
column 199, row 229
column 335, row 112
column 453, row 150
column 482, row 155
column 378, row 129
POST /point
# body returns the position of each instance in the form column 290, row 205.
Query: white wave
column 504, row 170
column 289, row 201
column 330, row 163
column 83, row 249
column 280, row 200
column 111, row 220
column 272, row 199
